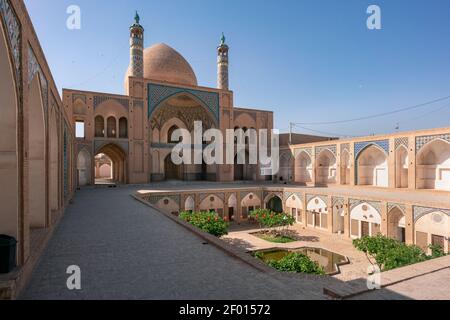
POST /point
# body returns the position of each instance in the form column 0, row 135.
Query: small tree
column 388, row 253
column 269, row 219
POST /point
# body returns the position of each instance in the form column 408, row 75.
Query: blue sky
column 307, row 60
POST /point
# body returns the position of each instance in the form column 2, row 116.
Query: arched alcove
column 99, row 127
column 317, row 213
column 326, row 167
column 372, row 167
column 275, row 204
column 111, row 127
column 286, row 168
column 123, row 128
column 401, row 167
column 365, row 220
column 396, row 224
column 345, row 167
column 303, row 168
column 433, row 166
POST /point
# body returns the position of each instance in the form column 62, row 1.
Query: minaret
column 222, row 65
column 136, row 49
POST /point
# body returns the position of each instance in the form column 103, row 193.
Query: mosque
column 135, row 130
column 52, row 145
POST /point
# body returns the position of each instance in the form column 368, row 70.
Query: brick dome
column 163, row 63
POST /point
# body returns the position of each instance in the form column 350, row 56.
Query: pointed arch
column 37, row 194
column 401, row 167
column 345, row 167
column 372, row 167
column 119, row 161
column 189, row 204
column 396, row 224
column 433, row 166
column 317, row 212
column 286, row 167
column 365, row 220
column 9, row 162
column 326, row 166
column 274, row 203
column 303, row 168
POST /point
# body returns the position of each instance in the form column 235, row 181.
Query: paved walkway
column 128, row 251
column 434, row 286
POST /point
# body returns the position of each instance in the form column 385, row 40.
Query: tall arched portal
column 119, row 162
column 36, row 157
column 9, row 219
column 180, row 111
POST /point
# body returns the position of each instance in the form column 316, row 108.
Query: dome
column 163, row 63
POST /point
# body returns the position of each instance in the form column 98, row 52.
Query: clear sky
column 307, row 60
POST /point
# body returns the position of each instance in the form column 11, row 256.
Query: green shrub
column 209, row 222
column 297, row 262
column 436, row 251
column 389, row 253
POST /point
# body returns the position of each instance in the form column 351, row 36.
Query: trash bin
column 7, row 254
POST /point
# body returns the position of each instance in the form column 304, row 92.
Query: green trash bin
column 7, row 254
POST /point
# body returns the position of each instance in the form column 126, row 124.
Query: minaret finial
column 137, row 18
column 222, row 40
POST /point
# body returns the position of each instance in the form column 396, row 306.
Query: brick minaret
column 222, row 65
column 136, row 49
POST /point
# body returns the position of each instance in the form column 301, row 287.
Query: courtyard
column 127, row 250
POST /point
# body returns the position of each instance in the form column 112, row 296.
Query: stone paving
column 128, row 251
column 433, row 286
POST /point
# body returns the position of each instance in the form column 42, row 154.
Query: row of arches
column 372, row 167
column 33, row 155
column 108, row 128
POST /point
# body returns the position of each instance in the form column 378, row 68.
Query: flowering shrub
column 209, row 222
column 269, row 219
